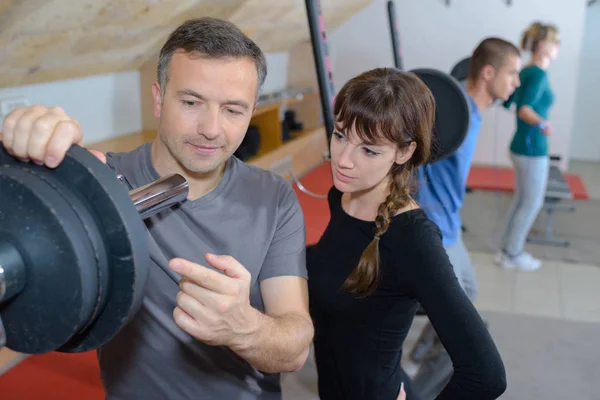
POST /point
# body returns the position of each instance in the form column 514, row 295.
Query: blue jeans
column 531, row 178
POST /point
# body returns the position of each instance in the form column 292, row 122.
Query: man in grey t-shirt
column 226, row 305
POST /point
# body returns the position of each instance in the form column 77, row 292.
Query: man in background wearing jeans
column 493, row 75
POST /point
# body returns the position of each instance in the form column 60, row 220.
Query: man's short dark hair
column 211, row 38
column 491, row 51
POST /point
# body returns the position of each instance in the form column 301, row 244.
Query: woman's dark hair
column 386, row 104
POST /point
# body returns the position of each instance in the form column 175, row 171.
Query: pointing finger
column 204, row 296
column 229, row 265
column 203, row 276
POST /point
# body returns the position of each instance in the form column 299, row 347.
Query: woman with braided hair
column 380, row 255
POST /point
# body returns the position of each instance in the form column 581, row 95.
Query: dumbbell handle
column 158, row 195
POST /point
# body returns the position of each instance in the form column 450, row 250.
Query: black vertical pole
column 396, row 51
column 318, row 37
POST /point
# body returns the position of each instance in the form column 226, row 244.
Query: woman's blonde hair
column 536, row 33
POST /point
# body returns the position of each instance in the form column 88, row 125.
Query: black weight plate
column 453, row 112
column 92, row 228
column 90, row 223
column 61, row 286
column 125, row 240
column 460, row 71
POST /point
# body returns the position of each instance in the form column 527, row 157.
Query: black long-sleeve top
column 358, row 342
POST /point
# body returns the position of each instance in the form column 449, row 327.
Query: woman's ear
column 404, row 154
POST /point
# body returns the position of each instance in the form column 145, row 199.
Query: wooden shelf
column 278, row 104
column 267, row 119
column 301, row 154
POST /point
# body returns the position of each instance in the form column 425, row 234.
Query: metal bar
column 318, row 37
column 396, row 50
column 12, row 272
column 160, row 194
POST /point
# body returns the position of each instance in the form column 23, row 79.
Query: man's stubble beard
column 181, row 153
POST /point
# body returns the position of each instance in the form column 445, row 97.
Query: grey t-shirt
column 254, row 216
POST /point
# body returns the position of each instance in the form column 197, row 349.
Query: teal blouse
column 536, row 93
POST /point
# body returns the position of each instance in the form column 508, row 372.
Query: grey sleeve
column 118, row 163
column 287, row 252
column 113, row 160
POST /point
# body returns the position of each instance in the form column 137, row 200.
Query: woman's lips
column 343, row 178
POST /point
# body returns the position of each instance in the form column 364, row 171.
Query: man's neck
column 199, row 184
column 478, row 91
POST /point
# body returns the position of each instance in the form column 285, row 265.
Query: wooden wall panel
column 46, row 40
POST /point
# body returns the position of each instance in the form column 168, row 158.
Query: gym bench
column 557, row 191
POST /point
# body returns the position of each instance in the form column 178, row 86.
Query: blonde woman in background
column 529, row 146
